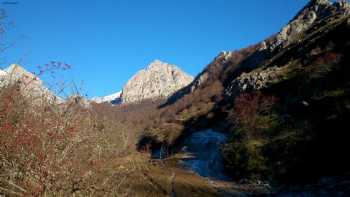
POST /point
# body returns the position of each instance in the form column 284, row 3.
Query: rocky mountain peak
column 17, row 72
column 17, row 69
column 30, row 84
column 158, row 80
column 156, row 64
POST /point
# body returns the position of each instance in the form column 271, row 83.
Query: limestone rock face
column 158, row 80
column 256, row 80
column 29, row 83
column 314, row 11
column 17, row 73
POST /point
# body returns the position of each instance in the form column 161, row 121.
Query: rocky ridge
column 313, row 14
column 229, row 65
column 302, row 73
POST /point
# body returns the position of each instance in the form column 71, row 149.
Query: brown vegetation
column 251, row 112
column 67, row 149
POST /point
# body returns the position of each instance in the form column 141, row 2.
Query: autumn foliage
column 252, row 111
column 55, row 149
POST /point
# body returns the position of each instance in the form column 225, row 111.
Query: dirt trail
column 184, row 181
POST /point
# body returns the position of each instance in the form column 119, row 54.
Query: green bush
column 244, row 159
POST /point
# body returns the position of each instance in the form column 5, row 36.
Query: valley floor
column 149, row 177
column 167, row 178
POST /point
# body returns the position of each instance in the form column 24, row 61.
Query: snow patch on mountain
column 113, row 98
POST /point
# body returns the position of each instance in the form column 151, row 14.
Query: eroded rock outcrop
column 313, row 12
column 158, row 80
column 29, row 83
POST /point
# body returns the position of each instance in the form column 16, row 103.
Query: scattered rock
column 256, row 80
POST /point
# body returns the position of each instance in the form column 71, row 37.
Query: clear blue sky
column 107, row 41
